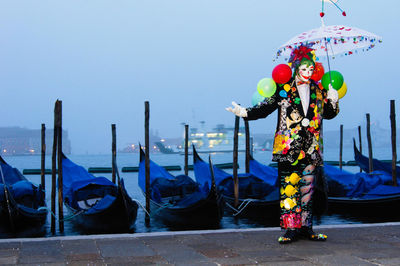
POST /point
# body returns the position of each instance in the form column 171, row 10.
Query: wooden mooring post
column 341, row 148
column 394, row 151
column 60, row 173
column 370, row 168
column 235, row 162
column 360, row 140
column 43, row 158
column 53, row 170
column 248, row 147
column 186, row 168
column 113, row 152
column 147, row 157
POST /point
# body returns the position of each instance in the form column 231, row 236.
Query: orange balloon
column 319, row 71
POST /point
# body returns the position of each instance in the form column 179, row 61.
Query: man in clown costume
column 301, row 105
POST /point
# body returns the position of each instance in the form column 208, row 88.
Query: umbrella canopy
column 332, row 40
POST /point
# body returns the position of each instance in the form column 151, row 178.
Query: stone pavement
column 357, row 244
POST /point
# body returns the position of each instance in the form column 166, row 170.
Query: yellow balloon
column 342, row 91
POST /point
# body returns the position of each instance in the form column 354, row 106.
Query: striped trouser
column 296, row 189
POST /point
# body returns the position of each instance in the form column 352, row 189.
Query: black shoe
column 307, row 232
column 288, row 237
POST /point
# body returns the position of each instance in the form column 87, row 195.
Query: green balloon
column 266, row 87
column 335, row 78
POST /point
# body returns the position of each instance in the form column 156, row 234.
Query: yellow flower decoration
column 290, row 190
column 294, row 178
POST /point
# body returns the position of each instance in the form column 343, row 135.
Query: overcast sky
column 188, row 58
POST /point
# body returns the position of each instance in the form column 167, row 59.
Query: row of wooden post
column 57, row 157
column 57, row 161
column 235, row 157
column 147, row 159
column 369, row 141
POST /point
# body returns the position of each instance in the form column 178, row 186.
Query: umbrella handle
column 327, row 56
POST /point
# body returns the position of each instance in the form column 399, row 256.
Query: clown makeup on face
column 305, row 71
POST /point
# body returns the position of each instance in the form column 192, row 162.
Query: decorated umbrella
column 332, row 40
column 326, row 41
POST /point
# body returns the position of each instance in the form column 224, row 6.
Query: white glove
column 237, row 110
column 332, row 95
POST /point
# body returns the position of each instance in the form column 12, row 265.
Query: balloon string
column 330, row 45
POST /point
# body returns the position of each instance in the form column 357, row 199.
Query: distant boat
column 218, row 140
column 258, row 189
column 181, row 151
column 95, row 203
column 164, row 149
column 22, row 204
column 179, row 200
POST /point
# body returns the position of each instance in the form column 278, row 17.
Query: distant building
column 23, row 141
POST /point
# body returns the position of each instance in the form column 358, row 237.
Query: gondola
column 258, row 189
column 361, row 192
column 363, row 162
column 178, row 201
column 95, row 204
column 22, row 203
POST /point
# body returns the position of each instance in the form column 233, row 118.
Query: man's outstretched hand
column 237, row 110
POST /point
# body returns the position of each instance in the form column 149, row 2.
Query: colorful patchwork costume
column 301, row 105
column 297, row 147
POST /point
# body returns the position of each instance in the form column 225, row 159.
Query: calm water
column 228, row 222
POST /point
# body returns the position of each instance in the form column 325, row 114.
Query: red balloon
column 281, row 73
column 318, row 72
